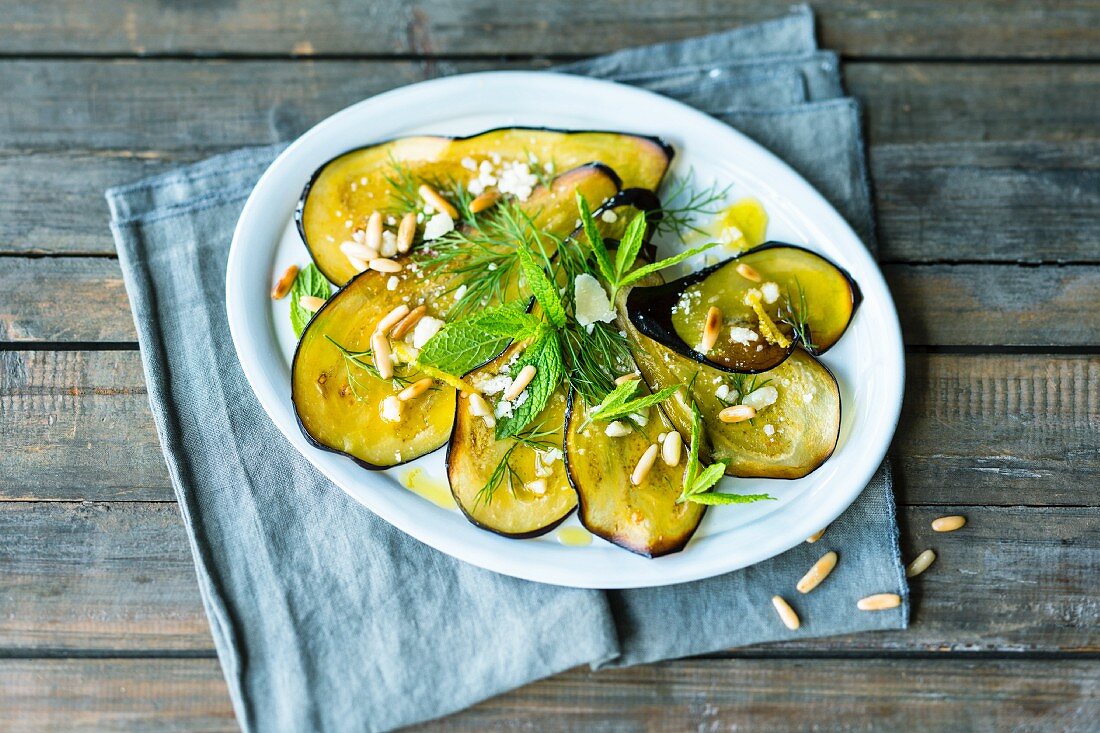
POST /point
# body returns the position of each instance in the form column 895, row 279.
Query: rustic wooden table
column 983, row 126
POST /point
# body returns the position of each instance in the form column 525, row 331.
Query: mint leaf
column 637, row 405
column 693, row 449
column 510, row 319
column 310, row 281
column 629, row 247
column 542, row 287
column 595, row 240
column 545, row 354
column 616, row 397
column 463, row 345
column 662, row 264
column 715, row 498
column 708, row 478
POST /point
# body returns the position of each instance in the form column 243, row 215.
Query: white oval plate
column 868, row 361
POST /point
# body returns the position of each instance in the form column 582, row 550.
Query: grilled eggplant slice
column 338, row 401
column 346, row 190
column 770, row 298
column 804, row 420
column 644, row 519
column 493, row 480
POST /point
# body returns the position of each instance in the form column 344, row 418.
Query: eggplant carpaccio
column 345, row 191
column 342, row 405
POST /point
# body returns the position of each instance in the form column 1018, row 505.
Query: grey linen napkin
column 327, row 618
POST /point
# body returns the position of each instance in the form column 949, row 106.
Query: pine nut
column 816, row 535
column 358, row 251
column 645, row 463
column 358, row 264
column 406, row 324
column 616, row 429
column 920, row 564
column 786, row 613
column 415, row 389
column 478, row 406
column 383, row 264
column 383, row 357
column 405, row 232
column 737, row 413
column 538, row 486
column 748, row 272
column 817, row 573
column 624, row 378
column 373, row 239
column 484, row 201
column 311, row 303
column 283, row 284
column 436, row 201
column 390, row 319
column 948, row 524
column 879, row 602
column 515, row 389
column 710, row 329
column 671, row 448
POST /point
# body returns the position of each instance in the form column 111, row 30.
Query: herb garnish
column 309, row 281
column 620, row 402
column 356, row 361
column 683, row 204
column 798, row 316
column 462, row 345
column 536, row 439
column 699, row 480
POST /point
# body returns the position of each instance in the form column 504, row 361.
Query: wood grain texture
column 1002, row 430
column 991, row 162
column 742, row 694
column 118, row 576
column 60, row 299
column 1055, row 28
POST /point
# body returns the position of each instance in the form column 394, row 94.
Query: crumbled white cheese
column 485, row 178
column 425, row 328
column 551, row 455
column 616, row 429
column 761, row 398
column 743, row 336
column 469, row 164
column 609, row 216
column 591, row 302
column 723, row 392
column 770, row 291
column 752, row 295
column 503, row 409
column 522, row 397
column 517, row 179
column 391, row 221
column 391, row 409
column 389, row 244
column 492, row 266
column 460, row 291
column 492, row 385
column 769, row 430
column 640, row 418
column 391, row 284
column 438, row 225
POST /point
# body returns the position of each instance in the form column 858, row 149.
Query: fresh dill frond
column 684, row 203
column 746, row 384
column 360, row 364
column 797, row 316
column 404, row 188
column 594, row 359
column 536, row 438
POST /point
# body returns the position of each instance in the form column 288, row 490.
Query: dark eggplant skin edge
column 669, row 152
column 672, row 549
column 650, row 309
column 298, row 419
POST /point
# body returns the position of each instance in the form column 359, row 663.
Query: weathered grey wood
column 991, row 162
column 118, row 576
column 61, row 299
column 706, row 695
column 975, row 429
column 1053, row 28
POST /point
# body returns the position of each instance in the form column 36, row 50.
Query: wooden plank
column 1010, row 429
column 1055, row 28
column 942, row 305
column 706, row 695
column 118, row 576
column 1007, row 151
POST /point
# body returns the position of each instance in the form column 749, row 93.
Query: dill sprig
column 594, row 358
column 536, row 438
column 798, row 316
column 404, row 188
column 684, row 203
column 357, row 362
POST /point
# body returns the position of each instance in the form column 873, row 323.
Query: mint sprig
column 698, row 480
column 544, row 353
column 309, row 281
column 618, row 403
column 542, row 287
column 463, row 345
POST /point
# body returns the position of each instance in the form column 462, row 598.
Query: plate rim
column 468, row 547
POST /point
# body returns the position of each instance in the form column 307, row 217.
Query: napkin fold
column 327, row 618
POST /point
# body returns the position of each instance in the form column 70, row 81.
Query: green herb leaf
column 637, row 405
column 708, row 478
column 595, row 239
column 542, row 287
column 309, row 281
column 675, row 259
column 629, row 247
column 616, row 397
column 693, row 448
column 544, row 353
column 510, row 319
column 462, row 345
column 716, row 498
